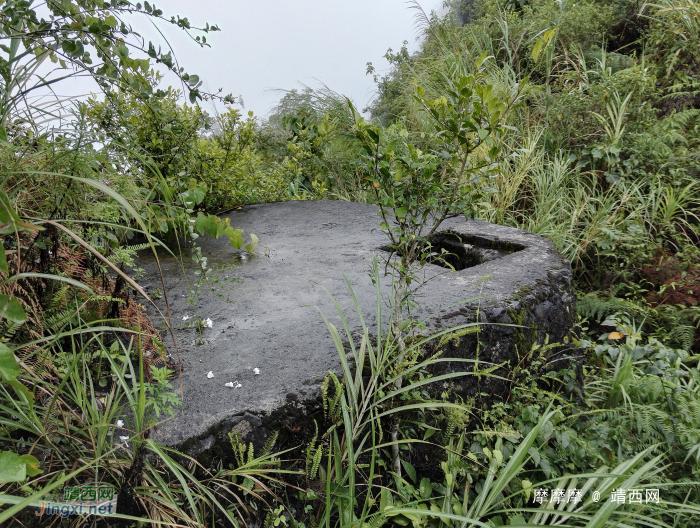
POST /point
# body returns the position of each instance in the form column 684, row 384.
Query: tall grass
column 74, row 433
column 361, row 489
column 583, row 206
column 67, row 419
column 365, row 404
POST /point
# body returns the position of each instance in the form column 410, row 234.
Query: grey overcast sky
column 265, row 45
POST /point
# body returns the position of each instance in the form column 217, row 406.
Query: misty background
column 278, row 44
column 265, row 46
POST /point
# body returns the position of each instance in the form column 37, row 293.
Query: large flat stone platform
column 268, row 320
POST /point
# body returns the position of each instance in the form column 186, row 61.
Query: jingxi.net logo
column 84, row 500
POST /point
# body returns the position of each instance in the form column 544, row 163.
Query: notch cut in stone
column 465, row 251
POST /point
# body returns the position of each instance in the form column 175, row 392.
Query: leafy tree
column 173, row 148
column 84, row 38
column 417, row 190
column 157, row 135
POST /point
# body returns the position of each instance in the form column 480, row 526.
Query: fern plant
column 654, row 393
column 670, row 324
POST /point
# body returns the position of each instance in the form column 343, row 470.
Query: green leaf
column 10, row 220
column 235, row 237
column 212, row 226
column 517, row 520
column 547, row 431
column 535, row 455
column 339, row 490
column 12, row 467
column 49, row 276
column 373, row 135
column 543, row 42
column 527, row 488
column 12, row 310
column 221, row 227
column 481, row 59
column 198, row 193
column 499, row 456
column 426, row 488
column 200, row 223
column 22, row 391
column 410, row 470
column 253, row 242
column 79, row 49
column 32, row 465
column 3, row 259
column 9, row 369
column 68, row 46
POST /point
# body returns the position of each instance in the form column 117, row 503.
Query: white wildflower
column 210, row 375
column 238, row 386
column 256, row 371
column 120, row 423
column 123, row 438
column 229, row 384
column 185, row 317
column 208, row 322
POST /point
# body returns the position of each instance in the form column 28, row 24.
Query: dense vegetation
column 577, row 121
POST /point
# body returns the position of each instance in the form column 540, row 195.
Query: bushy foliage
column 177, row 148
column 72, row 200
column 597, row 131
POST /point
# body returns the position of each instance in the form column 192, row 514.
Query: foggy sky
column 276, row 44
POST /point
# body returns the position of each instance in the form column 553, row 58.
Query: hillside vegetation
column 578, row 121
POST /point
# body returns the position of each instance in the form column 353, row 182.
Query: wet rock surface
column 263, row 311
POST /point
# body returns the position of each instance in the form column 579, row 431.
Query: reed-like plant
column 367, row 404
column 357, row 491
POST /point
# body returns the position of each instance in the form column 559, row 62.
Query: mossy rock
column 263, row 313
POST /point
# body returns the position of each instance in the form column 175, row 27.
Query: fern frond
column 127, row 251
column 267, row 448
column 311, row 452
column 324, row 395
column 316, row 462
column 58, row 298
column 251, row 453
column 10, row 330
column 598, row 308
column 57, row 321
column 683, row 335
